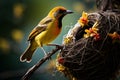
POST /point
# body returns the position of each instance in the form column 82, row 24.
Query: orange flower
column 97, row 36
column 114, row 35
column 83, row 19
column 92, row 32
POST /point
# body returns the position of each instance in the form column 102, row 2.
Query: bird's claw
column 57, row 46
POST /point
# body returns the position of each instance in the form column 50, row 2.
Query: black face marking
column 60, row 21
column 59, row 13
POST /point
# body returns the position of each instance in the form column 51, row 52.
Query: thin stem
column 39, row 63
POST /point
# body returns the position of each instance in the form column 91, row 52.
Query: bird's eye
column 61, row 11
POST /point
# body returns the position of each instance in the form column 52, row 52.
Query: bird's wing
column 39, row 28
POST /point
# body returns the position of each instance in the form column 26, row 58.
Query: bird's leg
column 44, row 51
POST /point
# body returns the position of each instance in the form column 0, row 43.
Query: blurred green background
column 17, row 19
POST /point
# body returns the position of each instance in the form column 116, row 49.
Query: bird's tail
column 27, row 55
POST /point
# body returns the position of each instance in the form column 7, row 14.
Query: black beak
column 68, row 12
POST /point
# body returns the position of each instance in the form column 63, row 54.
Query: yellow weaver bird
column 45, row 32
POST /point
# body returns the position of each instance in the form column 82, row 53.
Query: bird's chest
column 54, row 28
column 51, row 32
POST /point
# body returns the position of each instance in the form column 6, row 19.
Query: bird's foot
column 56, row 45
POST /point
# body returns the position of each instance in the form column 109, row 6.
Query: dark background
column 17, row 19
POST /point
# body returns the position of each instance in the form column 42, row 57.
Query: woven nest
column 88, row 59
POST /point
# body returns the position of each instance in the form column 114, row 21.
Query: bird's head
column 59, row 12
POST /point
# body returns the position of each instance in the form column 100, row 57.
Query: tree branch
column 39, row 63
